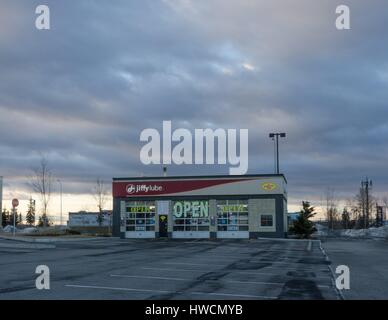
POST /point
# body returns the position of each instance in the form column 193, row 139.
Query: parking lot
column 167, row 269
column 367, row 261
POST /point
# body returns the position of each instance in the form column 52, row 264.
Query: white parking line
column 172, row 292
column 286, row 268
column 193, row 270
column 230, row 272
column 309, row 246
column 149, row 277
column 207, row 280
column 194, row 264
column 249, row 254
column 284, row 260
column 269, row 283
column 169, row 269
column 283, row 267
column 115, row 288
column 233, row 295
column 281, row 259
column 188, row 279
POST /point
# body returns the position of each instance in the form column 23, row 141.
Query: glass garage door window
column 140, row 216
column 194, row 218
column 232, row 215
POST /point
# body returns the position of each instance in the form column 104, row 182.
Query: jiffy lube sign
column 194, row 209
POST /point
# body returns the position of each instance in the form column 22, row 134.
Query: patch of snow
column 381, row 232
column 321, row 230
column 9, row 229
column 29, row 230
column 376, row 233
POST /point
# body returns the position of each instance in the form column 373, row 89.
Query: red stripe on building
column 151, row 188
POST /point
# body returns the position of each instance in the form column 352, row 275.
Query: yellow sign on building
column 269, row 186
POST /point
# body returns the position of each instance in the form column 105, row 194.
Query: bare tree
column 100, row 195
column 331, row 203
column 41, row 182
column 366, row 205
column 354, row 211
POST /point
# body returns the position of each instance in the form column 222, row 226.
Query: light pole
column 275, row 136
column 15, row 203
column 14, row 220
column 60, row 187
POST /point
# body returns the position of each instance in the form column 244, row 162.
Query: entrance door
column 163, row 226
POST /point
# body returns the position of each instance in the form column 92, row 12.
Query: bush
column 72, row 232
column 303, row 227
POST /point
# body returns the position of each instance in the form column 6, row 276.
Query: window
column 266, row 220
column 140, row 216
column 191, row 215
column 232, row 215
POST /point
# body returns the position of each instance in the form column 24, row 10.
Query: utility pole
column 275, row 136
column 366, row 185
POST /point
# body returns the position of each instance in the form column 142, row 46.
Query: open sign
column 194, row 209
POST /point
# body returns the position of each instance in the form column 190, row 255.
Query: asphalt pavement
column 168, row 269
column 368, row 265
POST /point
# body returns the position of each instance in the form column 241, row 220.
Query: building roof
column 247, row 176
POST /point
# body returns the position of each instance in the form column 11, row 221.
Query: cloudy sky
column 82, row 92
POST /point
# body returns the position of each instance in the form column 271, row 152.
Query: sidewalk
column 9, row 244
column 43, row 239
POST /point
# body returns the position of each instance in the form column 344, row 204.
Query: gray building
column 248, row 206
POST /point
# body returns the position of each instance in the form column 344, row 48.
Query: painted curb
column 51, row 240
column 340, row 294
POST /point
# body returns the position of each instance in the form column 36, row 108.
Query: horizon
column 82, row 92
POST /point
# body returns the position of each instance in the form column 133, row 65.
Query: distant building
column 291, row 217
column 89, row 219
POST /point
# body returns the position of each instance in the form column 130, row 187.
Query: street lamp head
column 271, row 135
column 282, row 135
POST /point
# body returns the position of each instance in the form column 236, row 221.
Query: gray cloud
column 84, row 90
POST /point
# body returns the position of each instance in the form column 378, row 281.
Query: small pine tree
column 30, row 217
column 5, row 217
column 303, row 227
column 43, row 221
column 20, row 219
